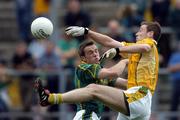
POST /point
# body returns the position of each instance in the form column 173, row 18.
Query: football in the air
column 41, row 28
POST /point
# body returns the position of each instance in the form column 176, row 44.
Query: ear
column 150, row 34
column 83, row 58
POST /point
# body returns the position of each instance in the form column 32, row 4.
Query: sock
column 55, row 98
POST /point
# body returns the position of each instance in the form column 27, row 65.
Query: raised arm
column 98, row 37
column 103, row 39
column 134, row 48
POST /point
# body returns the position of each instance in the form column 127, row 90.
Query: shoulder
column 88, row 66
column 148, row 41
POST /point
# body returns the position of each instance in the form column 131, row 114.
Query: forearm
column 103, row 39
column 121, row 83
column 119, row 67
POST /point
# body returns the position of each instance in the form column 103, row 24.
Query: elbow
column 108, row 73
column 113, row 74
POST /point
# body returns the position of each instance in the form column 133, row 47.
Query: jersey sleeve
column 125, row 55
column 126, row 44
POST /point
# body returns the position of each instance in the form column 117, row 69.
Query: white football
column 41, row 28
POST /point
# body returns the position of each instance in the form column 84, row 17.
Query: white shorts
column 139, row 100
column 79, row 115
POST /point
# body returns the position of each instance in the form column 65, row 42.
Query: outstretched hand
column 76, row 31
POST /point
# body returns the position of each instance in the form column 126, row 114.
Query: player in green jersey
column 88, row 72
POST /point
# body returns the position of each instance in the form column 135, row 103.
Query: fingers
column 107, row 54
column 78, row 32
column 102, row 58
column 71, row 30
column 75, row 31
column 68, row 28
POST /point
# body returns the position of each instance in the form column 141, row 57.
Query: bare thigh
column 111, row 97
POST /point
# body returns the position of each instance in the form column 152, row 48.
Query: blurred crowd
column 49, row 58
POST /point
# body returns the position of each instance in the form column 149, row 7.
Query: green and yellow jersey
column 85, row 75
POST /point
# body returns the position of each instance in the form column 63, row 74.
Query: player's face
column 142, row 33
column 91, row 54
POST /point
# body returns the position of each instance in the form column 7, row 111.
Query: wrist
column 86, row 30
column 55, row 98
column 117, row 50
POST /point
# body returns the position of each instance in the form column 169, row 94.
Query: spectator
column 174, row 68
column 4, row 80
column 164, row 49
column 24, row 18
column 37, row 48
column 41, row 7
column 174, row 18
column 114, row 30
column 76, row 16
column 115, row 33
column 67, row 47
column 160, row 10
column 50, row 62
column 23, row 62
column 128, row 18
column 140, row 4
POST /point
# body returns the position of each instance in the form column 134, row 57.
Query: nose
column 95, row 54
column 137, row 33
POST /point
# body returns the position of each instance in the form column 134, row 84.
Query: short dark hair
column 83, row 45
column 155, row 27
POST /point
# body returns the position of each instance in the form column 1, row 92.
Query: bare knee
column 93, row 90
column 91, row 85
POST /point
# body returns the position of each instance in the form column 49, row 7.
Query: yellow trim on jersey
column 92, row 74
column 79, row 86
column 78, row 83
